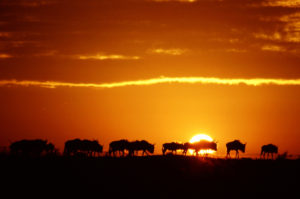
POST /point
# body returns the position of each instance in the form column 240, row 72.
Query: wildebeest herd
column 31, row 147
column 123, row 147
column 196, row 147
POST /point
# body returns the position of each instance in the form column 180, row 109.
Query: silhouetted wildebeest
column 50, row 148
column 270, row 148
column 173, row 146
column 186, row 147
column 31, row 147
column 118, row 146
column 86, row 147
column 201, row 145
column 140, row 146
column 235, row 145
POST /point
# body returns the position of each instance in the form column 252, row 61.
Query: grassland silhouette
column 123, row 147
column 83, row 167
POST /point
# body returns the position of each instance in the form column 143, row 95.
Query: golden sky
column 160, row 70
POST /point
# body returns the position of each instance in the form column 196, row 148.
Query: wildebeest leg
column 228, row 154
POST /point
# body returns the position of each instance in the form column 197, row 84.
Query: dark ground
column 148, row 177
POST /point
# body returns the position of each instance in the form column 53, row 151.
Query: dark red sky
column 126, row 40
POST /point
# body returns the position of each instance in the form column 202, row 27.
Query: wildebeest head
column 276, row 150
column 50, row 147
column 243, row 146
column 214, row 146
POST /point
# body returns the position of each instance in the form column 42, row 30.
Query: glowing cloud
column 235, row 50
column 5, row 34
column 5, row 56
column 275, row 36
column 105, row 57
column 282, row 3
column 273, row 48
column 161, row 80
column 292, row 27
column 172, row 51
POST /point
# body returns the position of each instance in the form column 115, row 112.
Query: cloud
column 292, row 27
column 5, row 56
column 5, row 34
column 235, row 50
column 273, row 48
column 274, row 37
column 27, row 3
column 105, row 57
column 289, row 31
column 282, row 3
column 160, row 80
column 171, row 51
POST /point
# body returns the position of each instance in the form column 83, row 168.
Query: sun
column 198, row 138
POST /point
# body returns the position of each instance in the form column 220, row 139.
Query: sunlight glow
column 198, row 138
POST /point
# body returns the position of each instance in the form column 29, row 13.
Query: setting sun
column 198, row 138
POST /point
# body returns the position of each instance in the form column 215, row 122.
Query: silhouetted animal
column 186, row 147
column 86, row 147
column 140, row 146
column 283, row 156
column 50, row 148
column 235, row 145
column 72, row 147
column 270, row 148
column 173, row 146
column 203, row 145
column 31, row 147
column 118, row 146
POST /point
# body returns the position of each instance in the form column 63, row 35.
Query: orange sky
column 75, row 44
